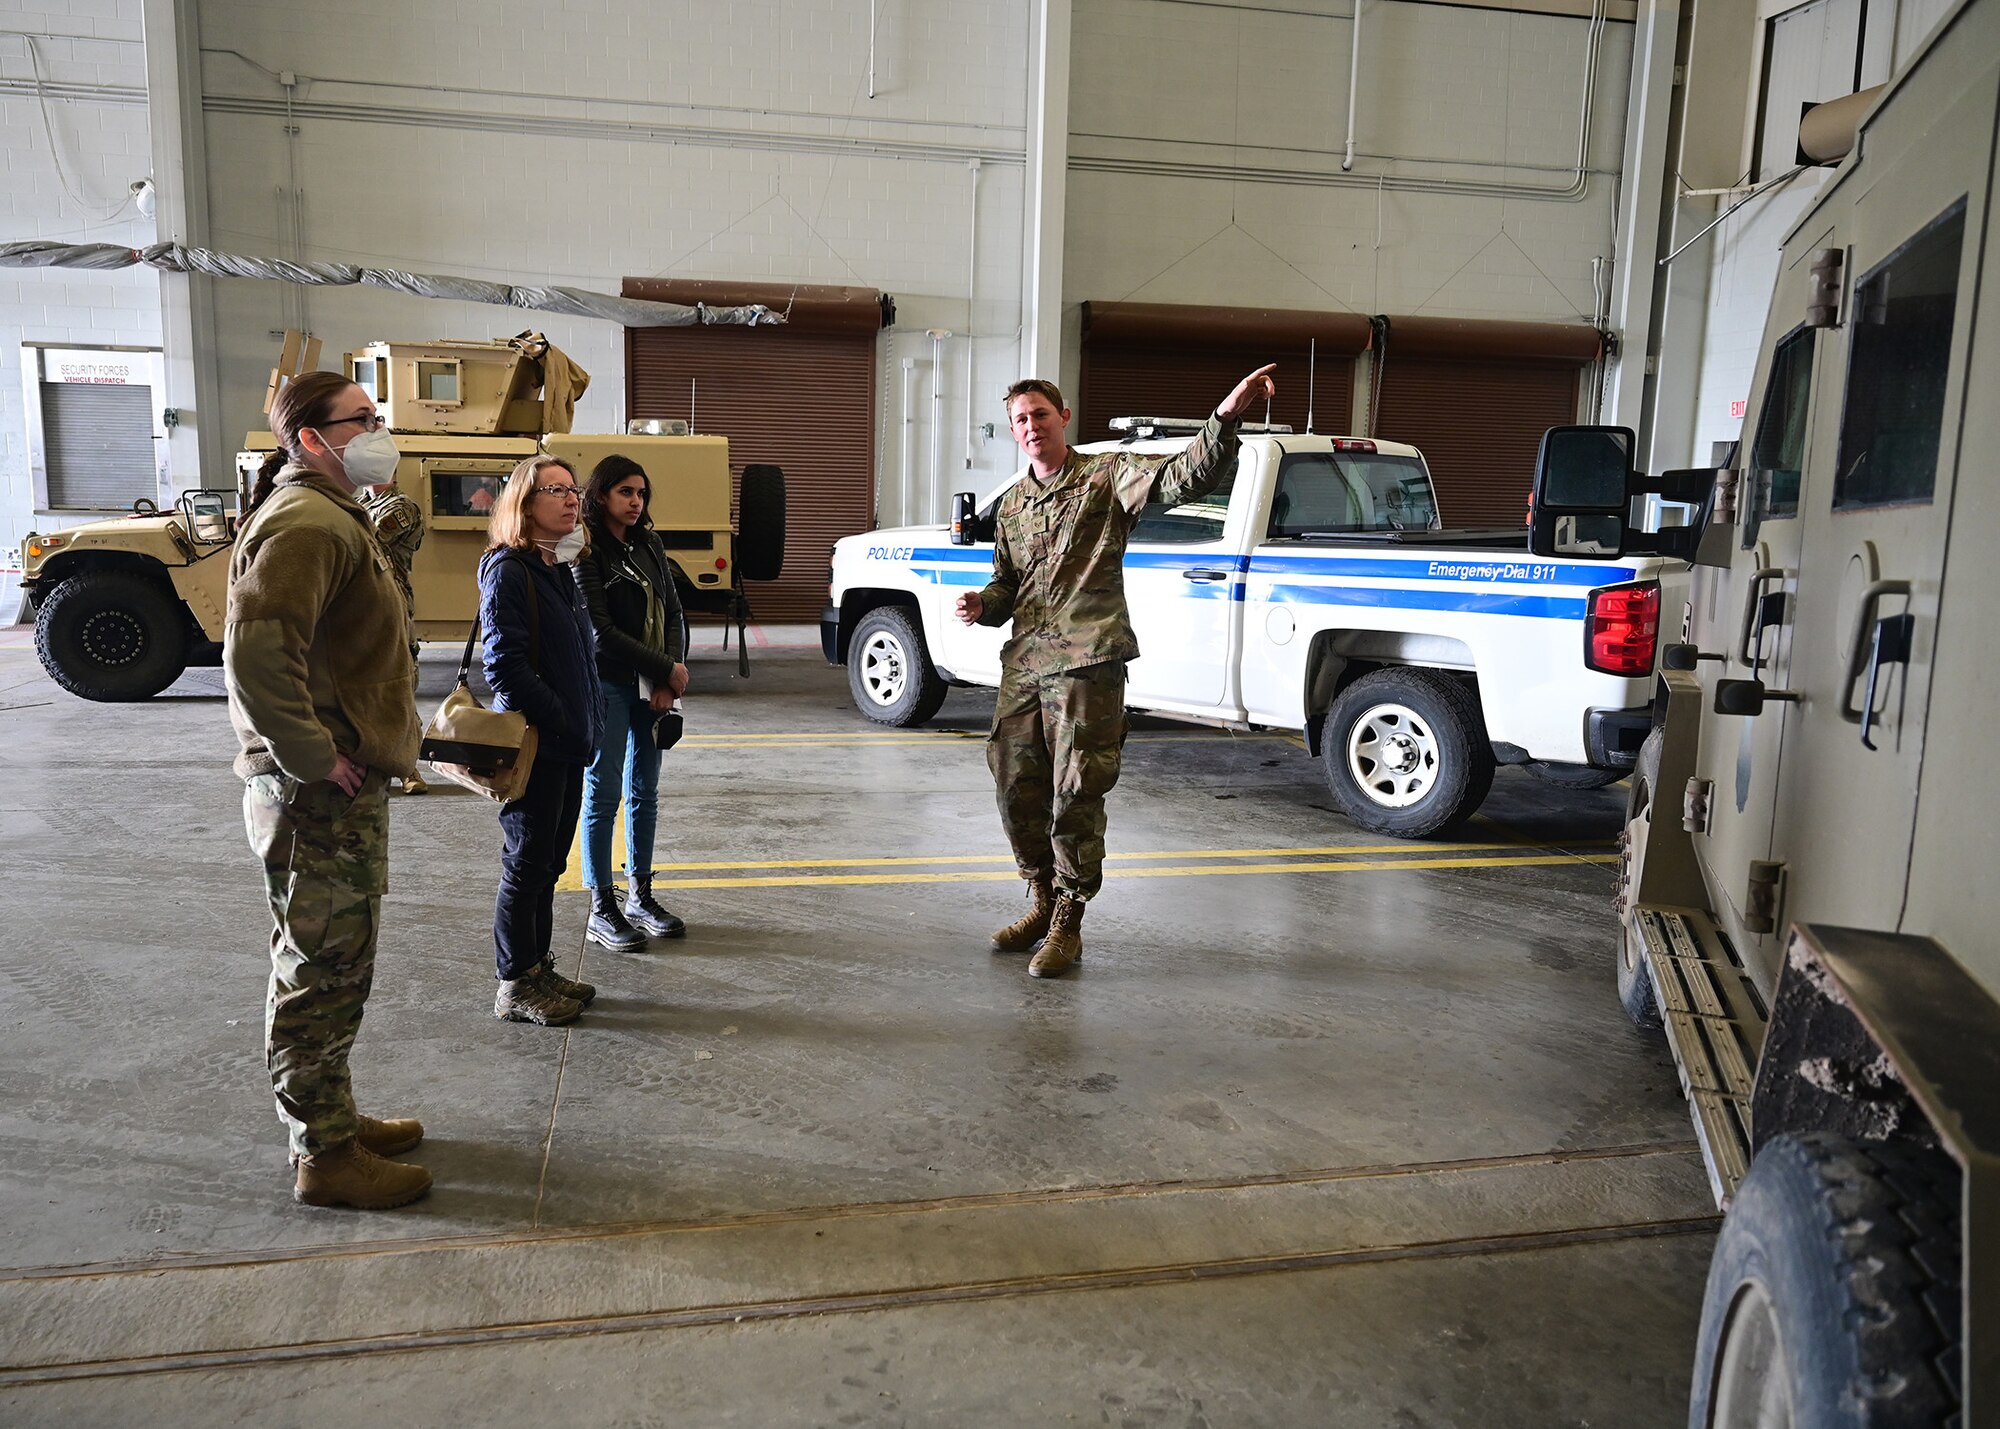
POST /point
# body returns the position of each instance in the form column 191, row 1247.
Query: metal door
column 1874, row 524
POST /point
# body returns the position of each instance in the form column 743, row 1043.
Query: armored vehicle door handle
column 1760, row 612
column 1202, row 575
column 1877, row 642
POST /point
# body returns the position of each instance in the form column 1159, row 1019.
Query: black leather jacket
column 609, row 576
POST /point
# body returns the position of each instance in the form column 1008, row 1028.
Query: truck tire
column 1573, row 776
column 760, row 521
column 1833, row 1294
column 889, row 671
column 1635, row 984
column 1406, row 753
column 112, row 635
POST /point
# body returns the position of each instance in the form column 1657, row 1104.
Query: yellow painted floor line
column 1008, row 875
column 1349, row 851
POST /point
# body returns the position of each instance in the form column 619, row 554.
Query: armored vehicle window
column 1894, row 412
column 1337, row 492
column 1186, row 524
column 438, row 382
column 1777, row 456
column 456, row 494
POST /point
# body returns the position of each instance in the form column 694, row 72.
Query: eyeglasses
column 561, row 493
column 368, row 421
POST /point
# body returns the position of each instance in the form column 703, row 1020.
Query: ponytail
column 267, row 478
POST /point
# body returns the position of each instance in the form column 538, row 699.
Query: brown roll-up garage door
column 800, row 396
column 1171, row 360
column 1475, row 398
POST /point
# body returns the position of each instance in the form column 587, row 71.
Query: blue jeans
column 628, row 764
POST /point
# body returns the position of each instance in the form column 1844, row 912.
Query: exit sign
column 1739, row 406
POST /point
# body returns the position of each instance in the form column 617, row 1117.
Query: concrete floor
column 1326, row 1130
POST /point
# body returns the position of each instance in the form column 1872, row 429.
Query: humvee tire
column 1834, row 1292
column 760, row 521
column 112, row 635
column 890, row 673
column 1422, row 719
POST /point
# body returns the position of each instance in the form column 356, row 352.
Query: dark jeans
column 536, row 831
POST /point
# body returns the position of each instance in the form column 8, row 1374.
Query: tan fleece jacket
column 316, row 651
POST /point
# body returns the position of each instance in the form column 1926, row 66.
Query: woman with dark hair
column 629, row 588
column 316, row 655
column 540, row 660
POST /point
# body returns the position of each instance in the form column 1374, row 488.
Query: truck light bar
column 1142, row 428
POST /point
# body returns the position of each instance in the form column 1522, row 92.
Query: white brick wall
column 1167, row 84
column 104, row 144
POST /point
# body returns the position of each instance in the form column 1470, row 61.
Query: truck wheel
column 889, row 670
column 1833, row 1294
column 112, row 635
column 760, row 521
column 1635, row 984
column 1406, row 752
column 1573, row 776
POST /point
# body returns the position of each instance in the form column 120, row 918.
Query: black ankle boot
column 648, row 916
column 608, row 928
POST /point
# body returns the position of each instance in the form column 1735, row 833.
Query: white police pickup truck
column 1314, row 591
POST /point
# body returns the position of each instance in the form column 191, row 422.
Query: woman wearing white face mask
column 321, row 692
column 541, row 659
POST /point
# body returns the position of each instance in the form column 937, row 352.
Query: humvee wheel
column 1406, row 754
column 112, row 635
column 890, row 673
column 1635, row 984
column 1833, row 1297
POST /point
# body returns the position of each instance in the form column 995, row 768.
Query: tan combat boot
column 352, row 1175
column 384, row 1138
column 1027, row 930
column 1064, row 944
column 391, row 1137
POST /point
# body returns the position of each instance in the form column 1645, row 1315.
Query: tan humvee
column 123, row 607
column 1808, row 895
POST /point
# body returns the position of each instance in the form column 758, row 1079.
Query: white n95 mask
column 370, row 459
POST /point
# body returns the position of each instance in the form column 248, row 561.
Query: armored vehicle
column 122, row 607
column 1808, row 901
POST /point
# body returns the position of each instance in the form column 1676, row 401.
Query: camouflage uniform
column 1058, row 574
column 326, row 866
column 316, row 660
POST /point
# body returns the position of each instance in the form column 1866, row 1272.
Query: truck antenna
column 1312, row 366
column 691, row 382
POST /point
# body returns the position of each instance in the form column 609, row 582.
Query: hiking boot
column 607, row 927
column 643, row 913
column 415, row 785
column 1027, row 930
column 580, row 993
column 528, row 999
column 1064, row 943
column 352, row 1175
column 384, row 1138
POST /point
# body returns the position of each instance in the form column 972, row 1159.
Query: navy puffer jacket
column 558, row 693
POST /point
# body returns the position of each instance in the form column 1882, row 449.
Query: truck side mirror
column 964, row 517
column 1583, row 492
column 205, row 518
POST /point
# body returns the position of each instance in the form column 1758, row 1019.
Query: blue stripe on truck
column 1483, row 602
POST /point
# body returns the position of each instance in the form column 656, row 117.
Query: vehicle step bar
column 1715, row 1023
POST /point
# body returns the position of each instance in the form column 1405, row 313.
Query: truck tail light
column 722, row 563
column 1353, row 444
column 1621, row 633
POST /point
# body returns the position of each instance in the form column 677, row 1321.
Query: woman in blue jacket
column 541, row 659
